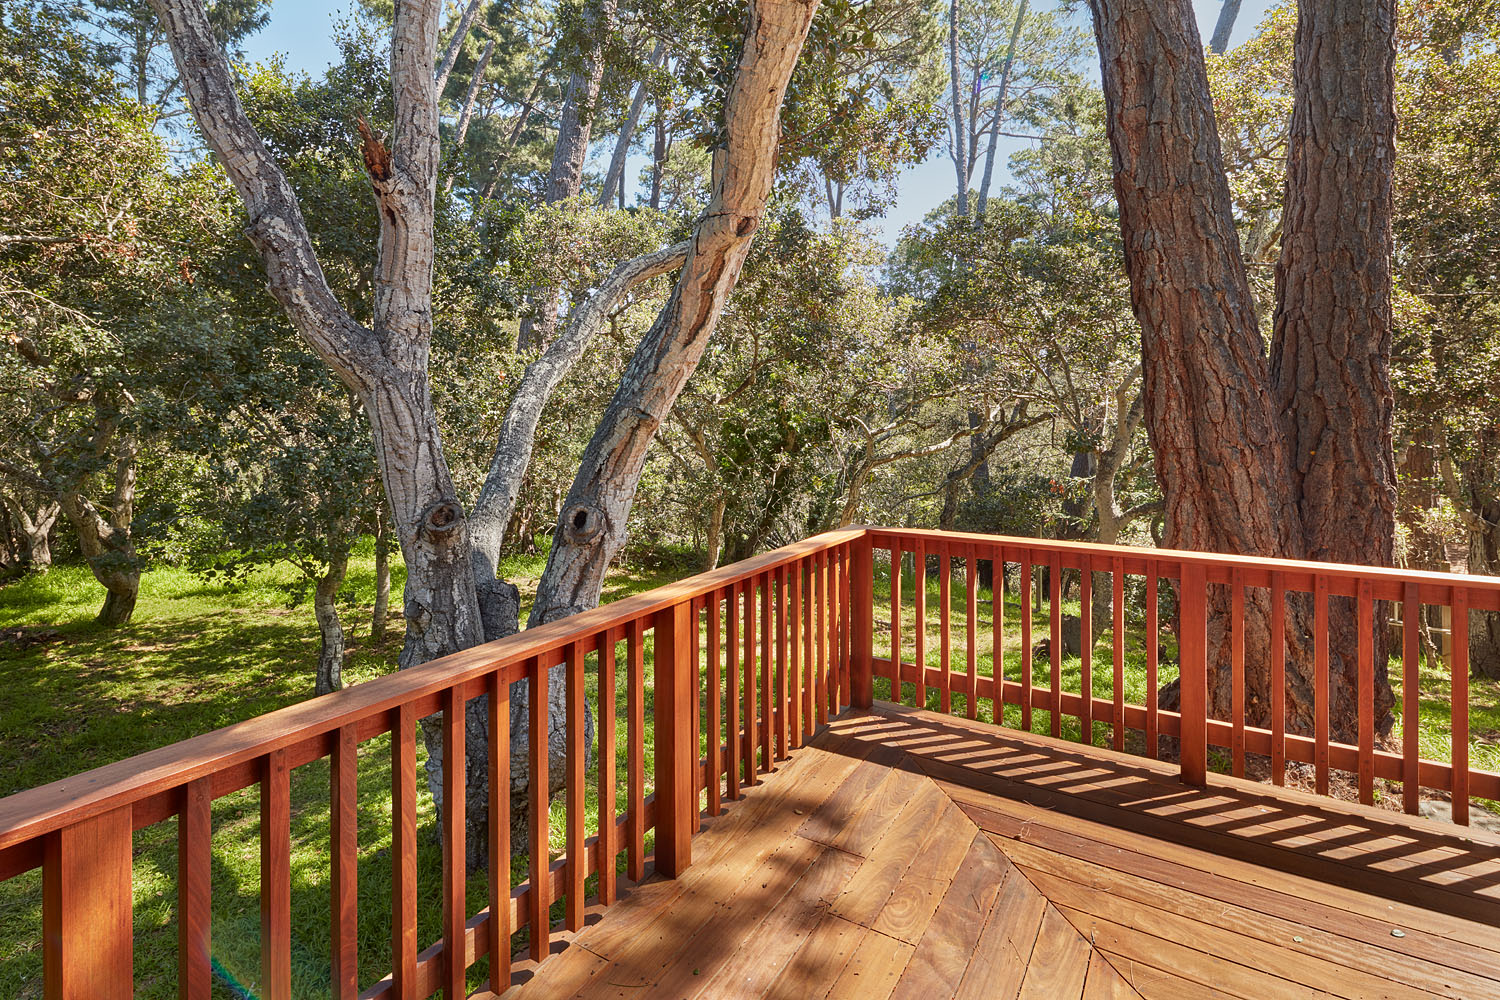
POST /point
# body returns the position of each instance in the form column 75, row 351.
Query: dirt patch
column 24, row 637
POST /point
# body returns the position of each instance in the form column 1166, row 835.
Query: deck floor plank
column 909, row 855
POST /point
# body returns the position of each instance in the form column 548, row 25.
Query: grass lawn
column 199, row 656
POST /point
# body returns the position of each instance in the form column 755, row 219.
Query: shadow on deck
column 909, row 854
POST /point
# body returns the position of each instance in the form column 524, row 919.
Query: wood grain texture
column 455, row 871
column 87, row 943
column 195, row 893
column 276, row 878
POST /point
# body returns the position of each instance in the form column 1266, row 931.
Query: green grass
column 199, row 656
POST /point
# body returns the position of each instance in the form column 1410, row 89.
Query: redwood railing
column 747, row 663
column 1189, row 575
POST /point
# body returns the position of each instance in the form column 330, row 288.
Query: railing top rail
column 33, row 812
column 1488, row 584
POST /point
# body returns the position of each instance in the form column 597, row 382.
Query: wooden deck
column 909, row 854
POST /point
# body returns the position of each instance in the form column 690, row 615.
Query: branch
column 276, row 226
column 513, row 448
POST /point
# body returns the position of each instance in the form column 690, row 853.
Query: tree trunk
column 658, row 156
column 566, row 176
column 1005, row 71
column 591, row 526
column 1219, row 43
column 1484, row 626
column 614, row 178
column 36, row 532
column 382, row 575
column 960, row 133
column 1212, row 421
column 1332, row 341
column 330, row 676
column 714, row 539
column 386, row 367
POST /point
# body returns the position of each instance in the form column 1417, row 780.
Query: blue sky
column 301, row 31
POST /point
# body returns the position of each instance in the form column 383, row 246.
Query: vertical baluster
column 1054, row 597
column 1026, row 640
column 1117, row 598
column 715, row 705
column 1366, row 711
column 700, row 781
column 576, row 832
column 541, row 862
column 1153, row 657
column 195, row 891
column 635, row 761
column 404, row 853
column 732, row 688
column 824, row 666
column 1086, row 648
column 806, row 576
column 609, row 847
column 794, row 678
column 861, row 576
column 896, row 622
column 676, row 789
column 997, row 634
column 945, row 629
column 919, row 618
column 835, row 633
column 1193, row 662
column 752, row 721
column 87, row 942
column 768, row 746
column 1460, row 710
column 499, row 831
column 455, row 853
column 1411, row 614
column 275, row 877
column 783, row 701
column 971, row 612
column 1237, row 671
column 1278, row 678
column 846, row 593
column 1321, row 690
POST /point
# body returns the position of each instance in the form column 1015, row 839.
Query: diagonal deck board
column 905, row 854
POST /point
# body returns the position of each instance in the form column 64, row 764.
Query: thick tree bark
column 1220, row 456
column 330, row 675
column 566, row 176
column 1332, row 342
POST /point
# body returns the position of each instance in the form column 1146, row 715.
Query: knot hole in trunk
column 440, row 519
column 582, row 524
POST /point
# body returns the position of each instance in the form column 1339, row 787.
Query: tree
column 1224, row 448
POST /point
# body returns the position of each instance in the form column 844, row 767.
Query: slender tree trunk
column 566, row 175
column 36, row 532
column 1005, row 72
column 614, row 178
column 715, row 537
column 1219, row 43
column 960, row 132
column 1219, row 452
column 1484, row 626
column 658, row 156
column 1332, row 341
column 591, row 526
column 381, row 613
column 455, row 46
column 330, row 676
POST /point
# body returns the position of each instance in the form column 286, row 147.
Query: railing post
column 862, row 623
column 87, row 949
column 676, row 792
column 1193, row 658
